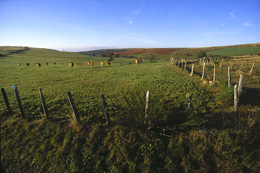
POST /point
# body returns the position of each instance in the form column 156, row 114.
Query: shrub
column 201, row 54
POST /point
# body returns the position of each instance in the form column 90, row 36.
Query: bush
column 201, row 54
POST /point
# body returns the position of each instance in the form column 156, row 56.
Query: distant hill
column 6, row 50
column 102, row 51
column 233, row 50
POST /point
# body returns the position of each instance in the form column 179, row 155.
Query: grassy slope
column 244, row 49
column 235, row 51
column 6, row 50
column 174, row 142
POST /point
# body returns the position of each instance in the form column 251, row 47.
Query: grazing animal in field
column 137, row 61
column 19, row 64
column 102, row 63
column 71, row 64
column 27, row 64
column 91, row 64
column 88, row 63
column 140, row 60
column 80, row 64
column 54, row 63
column 108, row 63
column 38, row 65
column 46, row 63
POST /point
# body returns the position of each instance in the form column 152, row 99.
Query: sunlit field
column 172, row 137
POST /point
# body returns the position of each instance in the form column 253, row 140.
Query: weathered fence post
column 251, row 71
column 6, row 100
column 105, row 109
column 203, row 72
column 171, row 61
column 235, row 102
column 44, row 107
column 240, row 86
column 214, row 74
column 229, row 76
column 191, row 73
column 75, row 112
column 220, row 65
column 147, row 104
column 18, row 100
column 188, row 98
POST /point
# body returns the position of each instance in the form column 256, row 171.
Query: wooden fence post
column 214, row 74
column 240, row 86
column 147, row 104
column 220, row 65
column 75, row 112
column 203, row 72
column 188, row 98
column 191, row 73
column 235, row 102
column 229, row 76
column 251, row 71
column 171, row 61
column 44, row 107
column 19, row 101
column 6, row 100
column 105, row 109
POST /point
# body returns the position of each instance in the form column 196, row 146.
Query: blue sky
column 75, row 25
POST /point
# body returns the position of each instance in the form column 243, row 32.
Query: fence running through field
column 180, row 63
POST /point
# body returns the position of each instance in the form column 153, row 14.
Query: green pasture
column 235, row 51
column 87, row 83
column 172, row 139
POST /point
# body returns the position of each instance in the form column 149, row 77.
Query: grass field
column 172, row 139
column 235, row 51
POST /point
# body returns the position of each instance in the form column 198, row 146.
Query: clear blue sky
column 89, row 24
